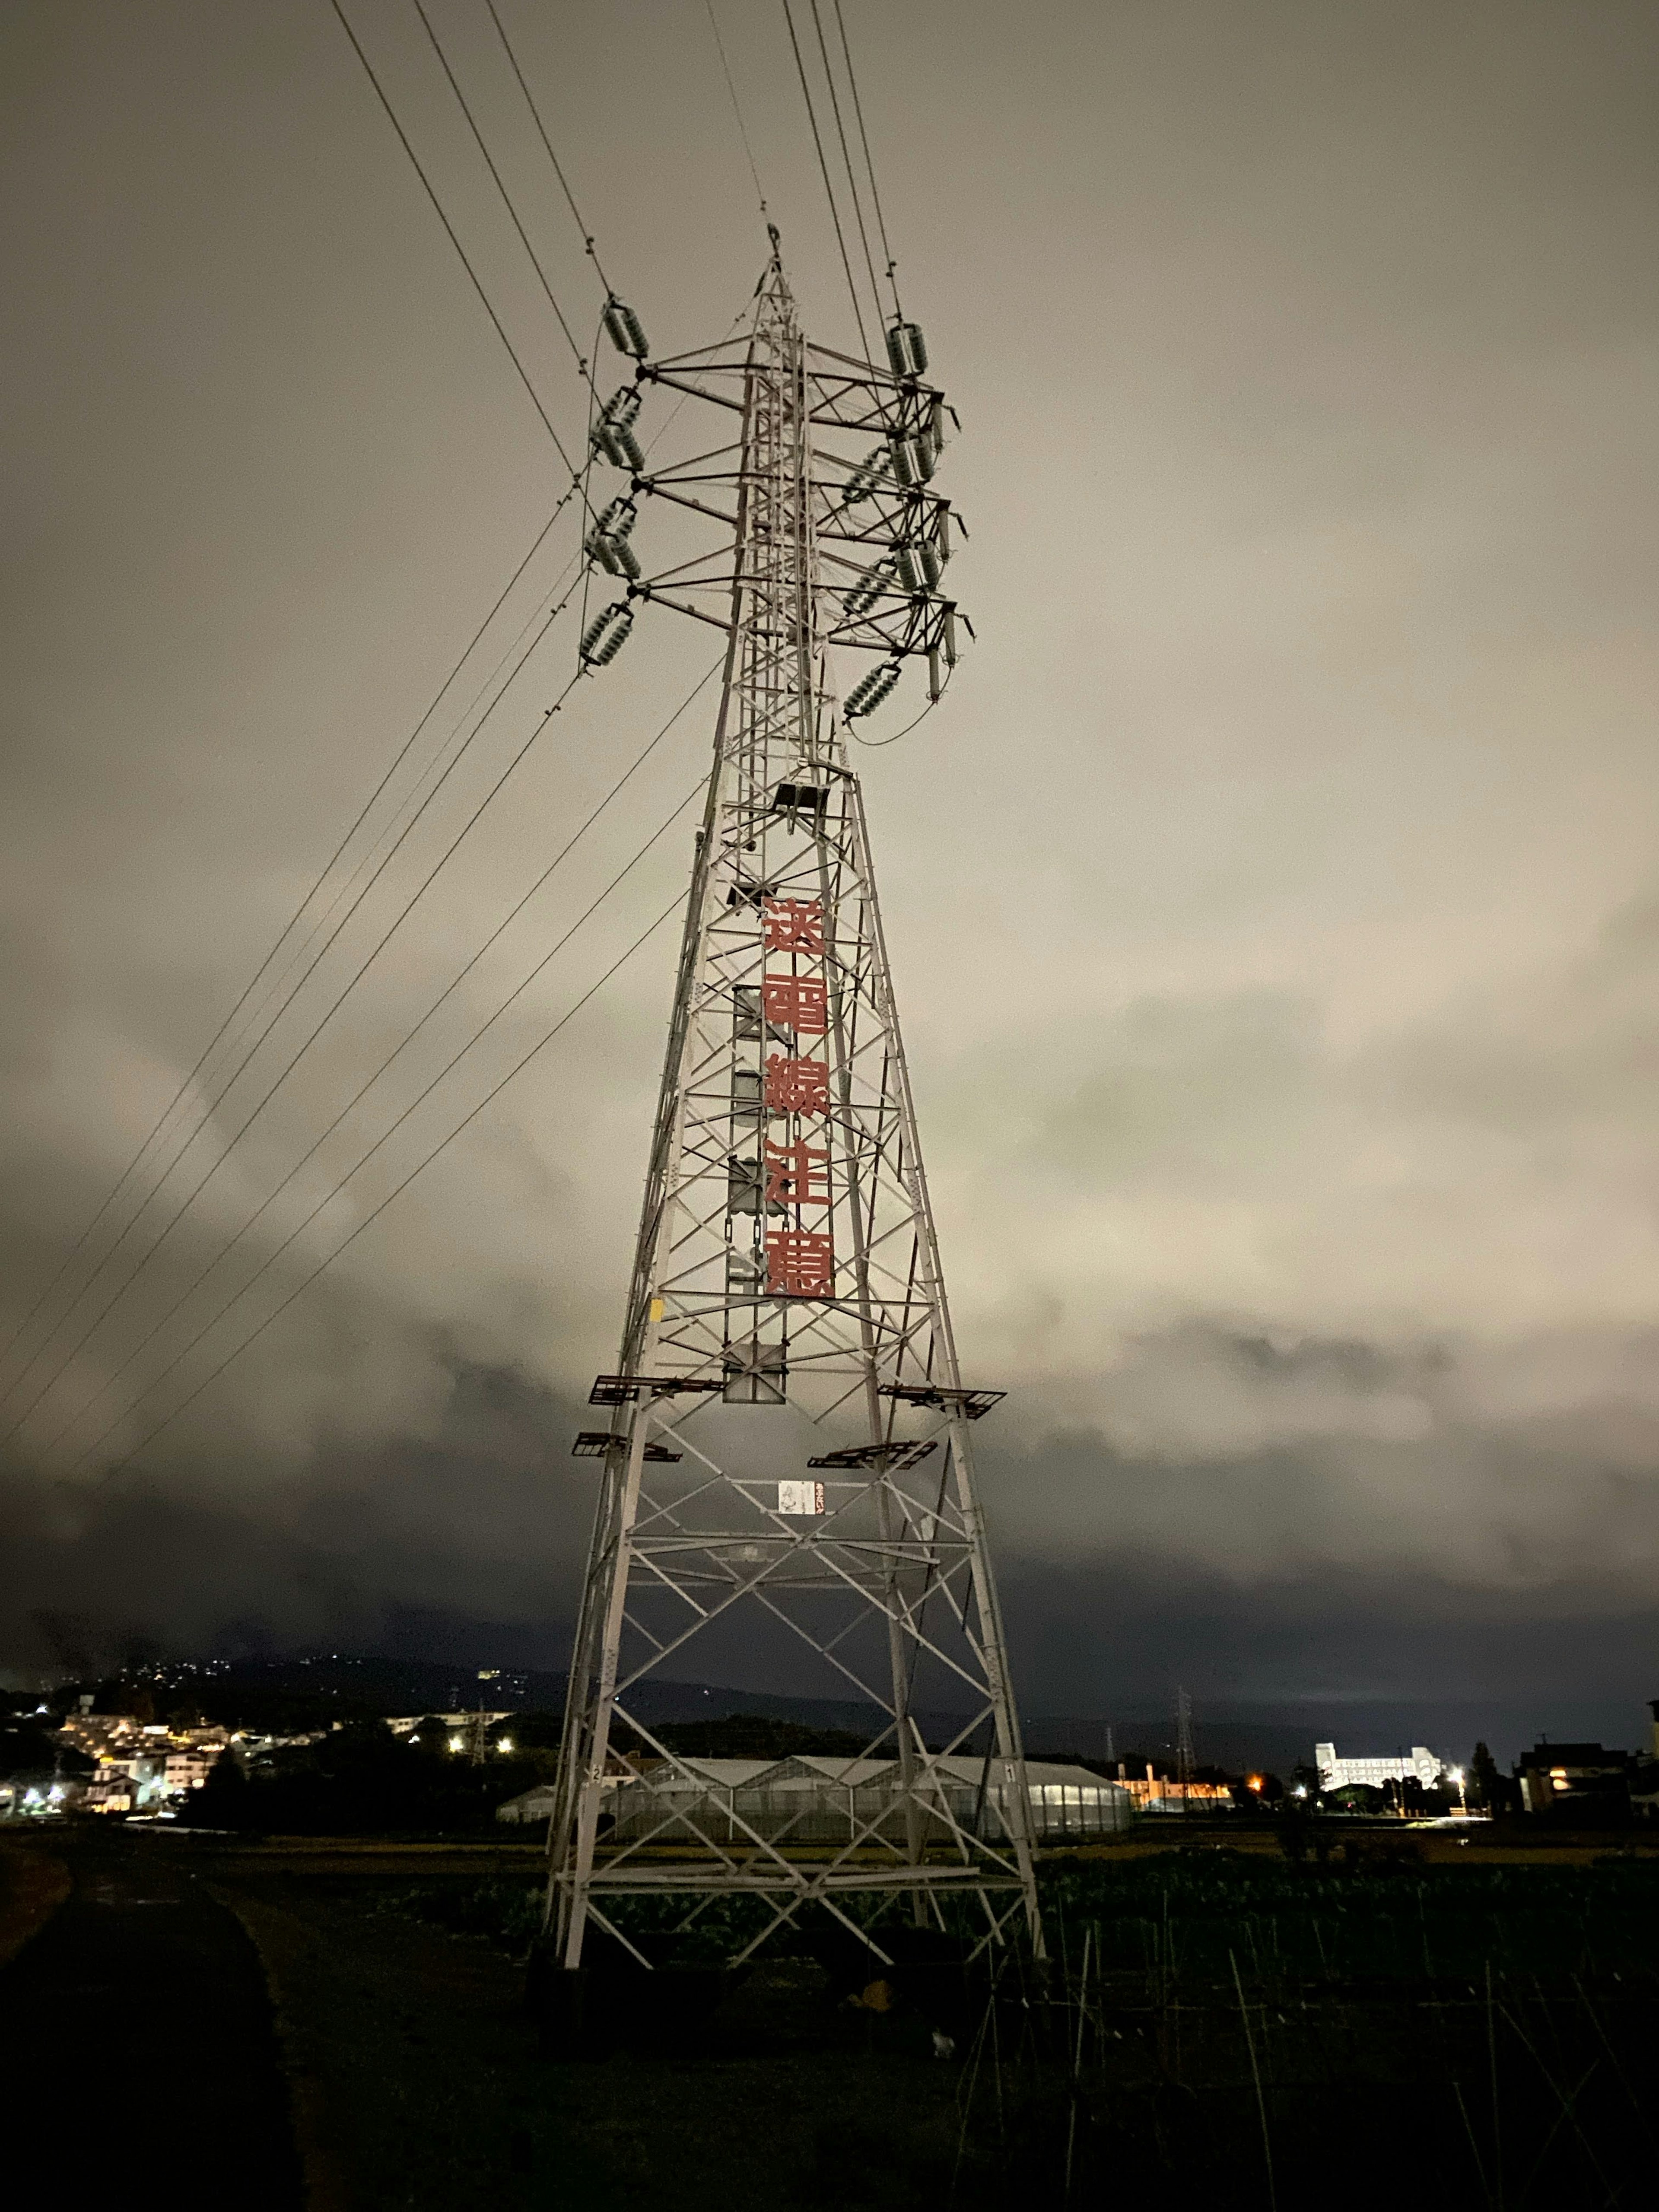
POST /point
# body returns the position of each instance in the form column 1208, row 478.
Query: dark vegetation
column 1264, row 2031
column 363, row 1780
column 757, row 1735
column 360, row 1779
column 1467, row 2035
column 27, row 1748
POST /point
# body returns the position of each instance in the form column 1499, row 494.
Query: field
column 1416, row 2021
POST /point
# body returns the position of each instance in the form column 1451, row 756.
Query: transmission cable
column 253, row 982
column 363, row 1091
column 501, row 328
column 420, row 1167
column 431, row 768
column 292, row 924
column 587, row 240
column 864, row 139
column 726, row 68
column 228, row 1085
column 847, row 161
column 878, row 745
column 824, row 171
column 507, row 197
column 294, row 1060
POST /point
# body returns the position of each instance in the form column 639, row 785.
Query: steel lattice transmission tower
column 787, row 1469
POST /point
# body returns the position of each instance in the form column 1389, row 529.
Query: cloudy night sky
column 1273, row 902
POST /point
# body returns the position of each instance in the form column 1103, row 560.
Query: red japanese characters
column 796, row 1086
column 796, row 1175
column 796, row 1002
column 799, row 1263
column 794, row 925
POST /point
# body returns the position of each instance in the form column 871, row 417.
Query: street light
column 1458, row 1777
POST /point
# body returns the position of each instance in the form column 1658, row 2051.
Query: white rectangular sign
column 800, row 1498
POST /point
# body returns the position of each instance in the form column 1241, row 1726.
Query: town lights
column 456, row 1743
column 505, row 1743
column 1254, row 1781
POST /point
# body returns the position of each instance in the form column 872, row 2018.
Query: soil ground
column 275, row 2024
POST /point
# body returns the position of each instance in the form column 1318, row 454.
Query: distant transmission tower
column 1185, row 1755
column 787, row 1467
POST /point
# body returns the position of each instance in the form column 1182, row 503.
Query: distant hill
column 295, row 1693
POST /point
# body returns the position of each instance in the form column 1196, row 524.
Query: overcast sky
column 1273, row 902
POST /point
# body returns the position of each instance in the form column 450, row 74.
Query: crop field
column 1244, row 2028
column 1259, row 2031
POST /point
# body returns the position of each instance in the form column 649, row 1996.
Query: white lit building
column 1421, row 1764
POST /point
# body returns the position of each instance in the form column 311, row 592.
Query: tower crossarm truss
column 881, row 534
column 786, row 1485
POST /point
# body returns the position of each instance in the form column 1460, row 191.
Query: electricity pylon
column 787, row 1472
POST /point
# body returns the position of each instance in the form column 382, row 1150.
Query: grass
column 1248, row 2031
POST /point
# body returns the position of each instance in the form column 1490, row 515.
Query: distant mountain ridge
column 1230, row 1734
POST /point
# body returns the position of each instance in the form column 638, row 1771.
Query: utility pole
column 787, row 1473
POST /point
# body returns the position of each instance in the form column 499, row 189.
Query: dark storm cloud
column 1273, row 905
column 470, row 1538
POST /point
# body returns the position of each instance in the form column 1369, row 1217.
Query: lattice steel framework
column 788, row 1449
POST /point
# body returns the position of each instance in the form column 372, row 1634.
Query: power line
column 229, row 1083
column 294, row 1062
column 730, row 88
column 155, row 1131
column 847, row 161
column 501, row 328
column 824, row 171
column 432, row 765
column 292, row 924
column 363, row 1091
column 588, row 240
column 864, row 138
column 507, row 197
column 368, row 1219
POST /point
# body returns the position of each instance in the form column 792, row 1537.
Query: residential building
column 1583, row 1780
column 1163, row 1793
column 111, row 1791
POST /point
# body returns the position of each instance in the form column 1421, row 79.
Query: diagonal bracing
column 788, row 1481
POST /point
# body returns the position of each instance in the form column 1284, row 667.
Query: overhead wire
column 732, row 88
column 431, row 768
column 847, row 161
column 582, row 360
column 489, row 1098
column 294, row 1062
column 228, row 1024
column 477, row 286
column 587, row 240
column 824, row 171
column 864, row 140
column 397, row 1050
column 878, row 745
column 577, row 483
